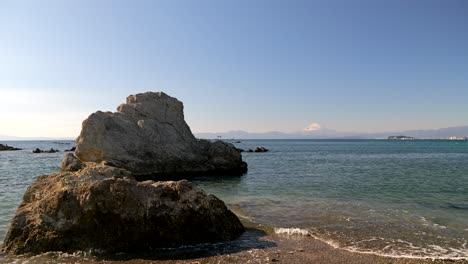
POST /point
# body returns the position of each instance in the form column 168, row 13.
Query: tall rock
column 149, row 137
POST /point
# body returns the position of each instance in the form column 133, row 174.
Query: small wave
column 292, row 231
column 411, row 251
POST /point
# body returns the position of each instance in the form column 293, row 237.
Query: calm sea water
column 399, row 198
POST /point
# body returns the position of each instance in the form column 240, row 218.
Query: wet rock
column 37, row 150
column 260, row 149
column 148, row 136
column 71, row 149
column 7, row 148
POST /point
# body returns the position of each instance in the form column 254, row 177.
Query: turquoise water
column 399, row 198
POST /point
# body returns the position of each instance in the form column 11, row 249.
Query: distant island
column 401, row 137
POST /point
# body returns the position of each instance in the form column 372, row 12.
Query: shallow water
column 18, row 170
column 398, row 198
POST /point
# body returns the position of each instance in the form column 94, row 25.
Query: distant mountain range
column 323, row 133
column 461, row 131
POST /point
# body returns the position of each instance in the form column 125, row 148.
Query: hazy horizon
column 321, row 133
column 259, row 66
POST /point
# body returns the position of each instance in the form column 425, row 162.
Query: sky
column 355, row 66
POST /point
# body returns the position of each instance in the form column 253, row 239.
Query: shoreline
column 259, row 244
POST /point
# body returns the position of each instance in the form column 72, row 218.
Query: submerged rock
column 103, row 207
column 148, row 136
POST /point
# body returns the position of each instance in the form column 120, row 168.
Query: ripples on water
column 18, row 170
column 400, row 198
column 404, row 198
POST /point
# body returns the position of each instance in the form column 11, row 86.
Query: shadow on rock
column 251, row 239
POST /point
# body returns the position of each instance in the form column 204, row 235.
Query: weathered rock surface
column 96, row 206
column 148, row 136
column 6, row 147
column 96, row 202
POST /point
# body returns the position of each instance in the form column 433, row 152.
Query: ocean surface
column 393, row 198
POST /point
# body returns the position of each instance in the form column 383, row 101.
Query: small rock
column 6, row 147
column 70, row 150
column 71, row 163
column 260, row 149
column 37, row 150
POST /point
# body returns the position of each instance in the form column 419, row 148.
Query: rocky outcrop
column 6, row 147
column 95, row 201
column 261, row 149
column 37, row 150
column 97, row 206
column 148, row 136
column 257, row 149
column 71, row 149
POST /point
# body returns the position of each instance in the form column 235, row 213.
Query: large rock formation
column 96, row 206
column 148, row 136
column 96, row 202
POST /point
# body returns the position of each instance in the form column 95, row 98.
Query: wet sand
column 292, row 250
column 254, row 246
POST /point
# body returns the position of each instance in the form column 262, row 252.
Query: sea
column 399, row 198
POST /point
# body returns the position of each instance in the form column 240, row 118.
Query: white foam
column 303, row 232
column 292, row 231
column 411, row 252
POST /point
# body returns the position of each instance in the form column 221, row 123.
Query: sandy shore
column 255, row 246
column 270, row 248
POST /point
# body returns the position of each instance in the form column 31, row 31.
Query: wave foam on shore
column 413, row 252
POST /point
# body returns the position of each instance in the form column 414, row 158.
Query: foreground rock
column 96, row 206
column 148, row 136
column 7, row 148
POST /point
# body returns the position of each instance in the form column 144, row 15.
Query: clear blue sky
column 359, row 65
